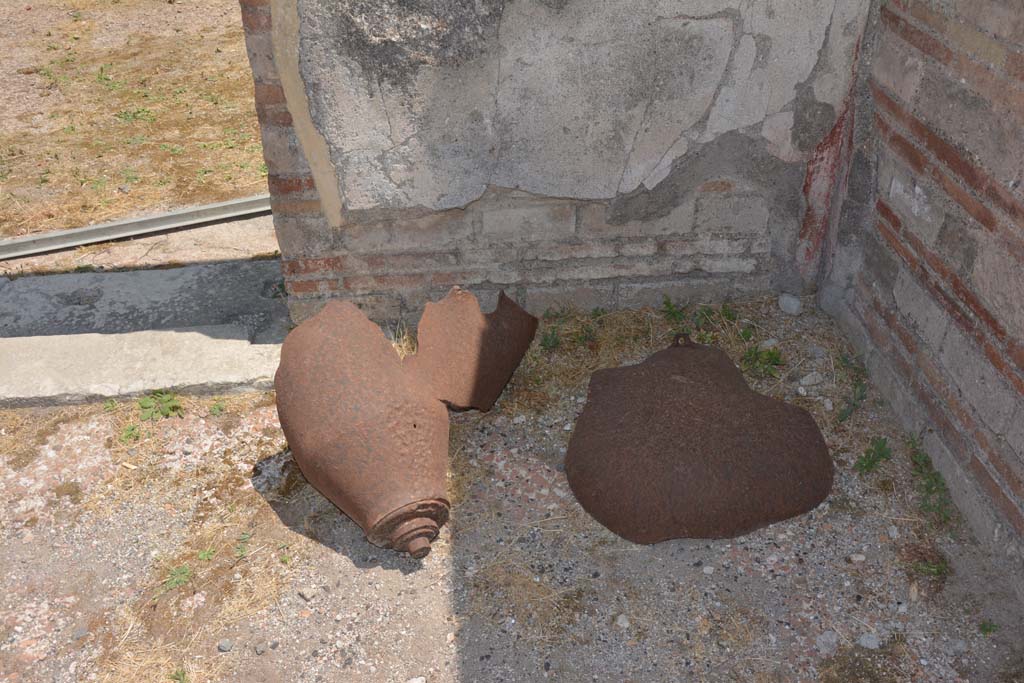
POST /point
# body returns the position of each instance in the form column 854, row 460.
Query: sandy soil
column 122, row 107
column 191, row 548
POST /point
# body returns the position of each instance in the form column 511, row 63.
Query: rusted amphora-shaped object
column 362, row 430
column 369, row 431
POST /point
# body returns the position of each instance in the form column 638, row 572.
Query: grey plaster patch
column 427, row 104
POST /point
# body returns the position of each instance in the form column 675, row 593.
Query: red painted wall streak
column 827, row 172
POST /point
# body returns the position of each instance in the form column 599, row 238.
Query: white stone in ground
column 869, row 641
column 827, row 643
column 791, row 305
column 622, row 621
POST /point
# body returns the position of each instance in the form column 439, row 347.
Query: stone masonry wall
column 587, row 153
column 926, row 273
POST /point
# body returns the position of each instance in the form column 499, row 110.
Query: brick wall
column 744, row 220
column 929, row 271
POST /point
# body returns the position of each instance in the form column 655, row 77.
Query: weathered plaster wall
column 596, row 153
column 927, row 271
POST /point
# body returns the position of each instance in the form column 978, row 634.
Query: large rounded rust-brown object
column 365, row 432
column 468, row 356
column 680, row 446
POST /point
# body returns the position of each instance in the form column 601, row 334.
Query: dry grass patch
column 131, row 125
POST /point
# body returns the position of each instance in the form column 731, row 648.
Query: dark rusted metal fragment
column 680, row 446
column 466, row 356
column 366, row 432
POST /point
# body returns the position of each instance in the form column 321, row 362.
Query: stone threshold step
column 56, row 369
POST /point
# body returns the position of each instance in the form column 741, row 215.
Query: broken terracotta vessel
column 680, row 446
column 371, row 432
column 467, row 356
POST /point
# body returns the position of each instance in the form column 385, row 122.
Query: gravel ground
column 191, row 549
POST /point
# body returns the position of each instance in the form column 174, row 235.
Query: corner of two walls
column 925, row 271
column 720, row 197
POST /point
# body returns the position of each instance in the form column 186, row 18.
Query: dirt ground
column 191, row 549
column 122, row 107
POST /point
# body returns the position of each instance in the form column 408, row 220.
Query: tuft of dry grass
column 131, row 126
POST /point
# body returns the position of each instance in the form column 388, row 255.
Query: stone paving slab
column 53, row 369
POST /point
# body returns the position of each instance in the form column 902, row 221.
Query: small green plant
column 217, row 408
column 937, row 568
column 160, row 404
column 130, row 434
column 179, row 576
column 705, row 337
column 987, row 627
column 134, row 115
column 704, row 317
column 285, row 558
column 874, row 455
column 550, row 341
column 672, row 312
column 104, row 78
column 242, row 547
column 935, row 501
column 179, row 676
column 858, row 375
column 747, row 334
column 586, row 335
column 207, row 555
column 598, row 312
column 728, row 313
column 109, row 406
column 761, row 362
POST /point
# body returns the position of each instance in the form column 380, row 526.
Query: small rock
column 418, row 679
column 958, row 646
column 79, row 633
column 274, row 644
column 307, row 593
column 709, row 570
column 869, row 641
column 857, row 557
column 827, row 643
column 812, row 379
column 519, row 419
column 768, row 344
column 828, row 405
column 790, row 304
column 225, row 645
column 260, row 648
column 801, row 391
column 567, row 427
column 894, row 533
column 816, row 352
column 622, row 621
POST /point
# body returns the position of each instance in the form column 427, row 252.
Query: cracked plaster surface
column 586, row 100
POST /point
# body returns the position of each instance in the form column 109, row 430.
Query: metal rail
column 192, row 217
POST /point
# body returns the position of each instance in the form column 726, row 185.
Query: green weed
column 761, row 362
column 130, row 433
column 179, row 576
column 935, row 501
column 672, row 312
column 160, row 404
column 550, row 341
column 134, row 115
column 987, row 627
column 874, row 455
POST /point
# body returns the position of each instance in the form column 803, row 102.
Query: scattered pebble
column 418, row 679
column 768, row 344
column 828, row 405
column 812, row 379
column 622, row 621
column 225, row 645
column 827, row 643
column 709, row 570
column 894, row 533
column 869, row 641
column 567, row 427
column 260, row 648
column 307, row 593
column 790, row 304
column 858, row 557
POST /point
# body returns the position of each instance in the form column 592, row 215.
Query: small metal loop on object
column 685, row 337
